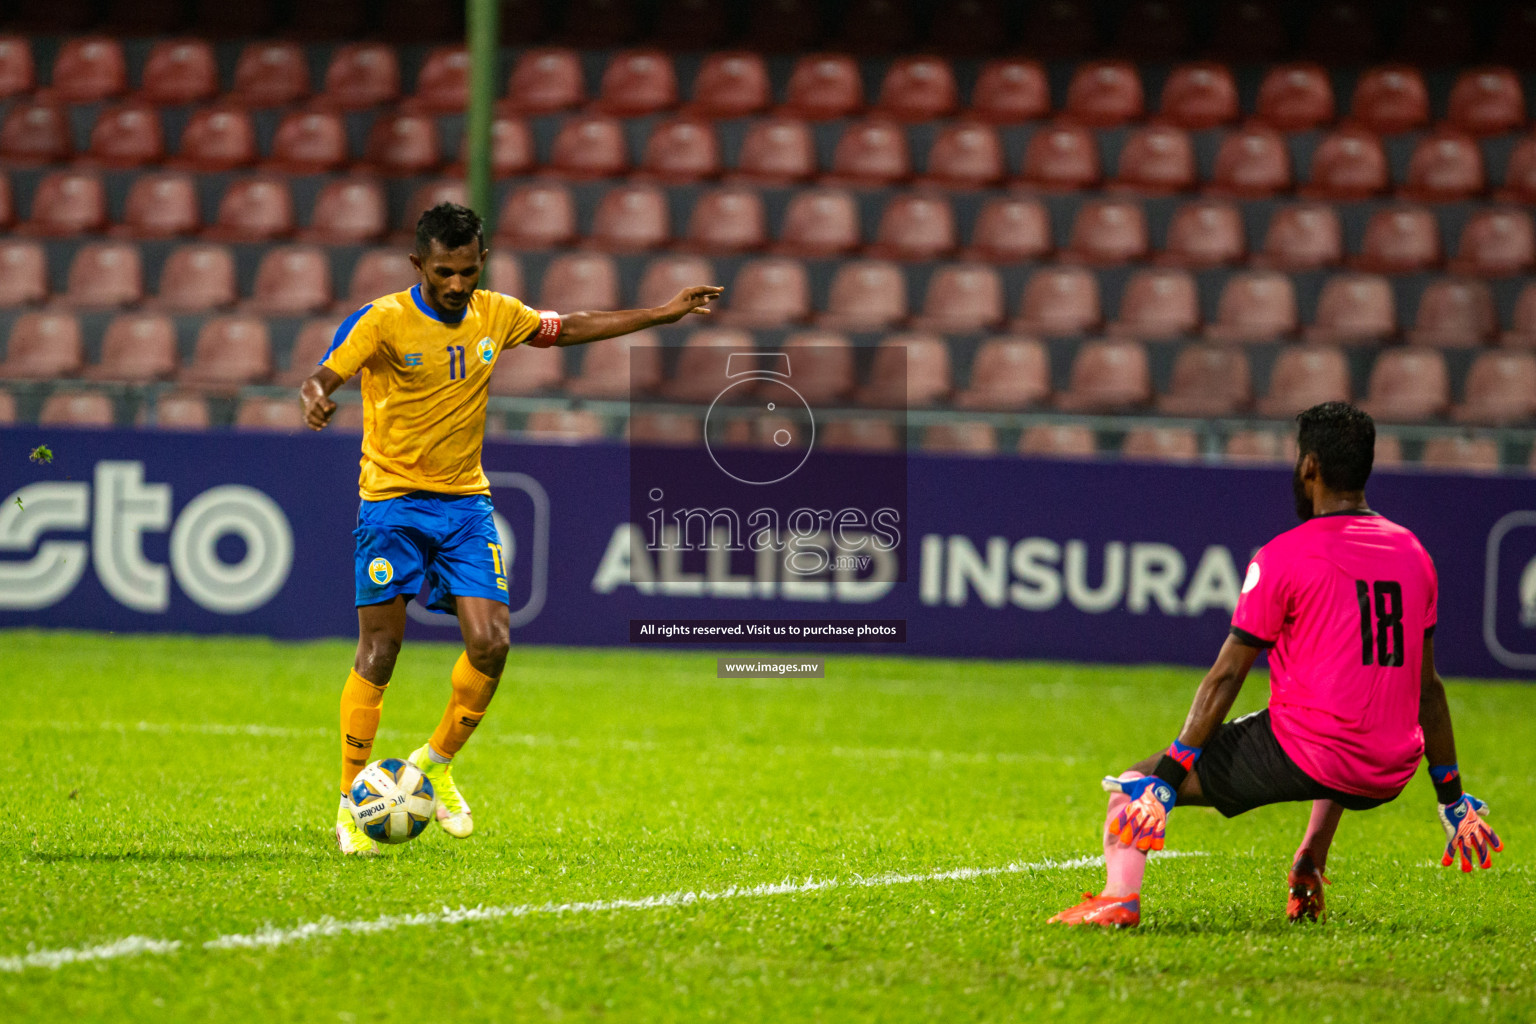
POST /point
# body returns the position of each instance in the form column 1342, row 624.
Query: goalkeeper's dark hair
column 452, row 225
column 1344, row 440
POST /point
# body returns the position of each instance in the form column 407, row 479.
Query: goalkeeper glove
column 1467, row 834
column 1144, row 821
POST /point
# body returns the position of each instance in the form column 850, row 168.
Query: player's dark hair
column 1344, row 440
column 452, row 225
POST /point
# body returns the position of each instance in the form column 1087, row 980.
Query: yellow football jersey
column 425, row 382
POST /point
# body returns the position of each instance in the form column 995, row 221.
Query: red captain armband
column 549, row 329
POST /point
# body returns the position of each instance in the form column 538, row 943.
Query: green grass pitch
column 179, row 790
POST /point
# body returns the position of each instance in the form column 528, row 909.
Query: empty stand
column 866, row 295
column 1500, row 389
column 269, row 415
column 1259, row 447
column 362, row 75
column 702, row 364
column 1487, row 101
column 768, row 293
column 68, row 203
column 665, row 428
column 292, row 280
column 1304, row 376
column 1408, row 385
column 43, row 346
column 137, row 347
column 962, row 298
column 1303, row 237
column 966, row 155
column 525, row 370
column 217, row 139
column 89, row 69
column 1461, row 454
column 631, row 218
column 271, row 74
column 1011, row 229
column 378, row 272
column 76, row 409
column 1108, row 232
column 18, row 72
column 1059, row 301
column 1255, row 307
column 728, row 220
column 1157, row 158
column 1354, row 308
column 1159, row 304
column 183, row 410
column 915, row 227
column 348, row 211
column 733, row 84
column 1200, row 96
column 1496, row 243
column 637, row 82
column 1011, row 91
column 180, row 71
column 105, row 276
column 626, row 366
column 579, row 282
column 309, row 347
column 230, row 351
column 127, row 135
column 953, row 438
column 1203, row 234
column 23, row 273
column 1350, row 163
column 1522, row 328
column 1161, row 444
column 860, row 435
column 35, row 132
column 1108, row 376
column 1208, row 380
column 1296, row 97
column 1007, row 373
column 1400, row 241
column 872, row 152
column 1445, row 167
column 403, row 144
column 1252, row 162
column 309, row 142
column 909, row 371
column 825, row 86
column 665, row 276
column 537, row 217
column 197, row 278
column 1058, row 440
column 1105, row 93
column 822, row 222
column 254, row 210
column 442, row 84
column 919, row 89
column 1390, row 99
column 1062, row 157
column 546, row 80
column 777, row 151
column 1454, row 313
column 681, row 150
column 821, row 366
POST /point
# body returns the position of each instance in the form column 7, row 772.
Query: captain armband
column 549, row 329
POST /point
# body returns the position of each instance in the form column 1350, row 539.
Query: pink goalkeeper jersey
column 1345, row 601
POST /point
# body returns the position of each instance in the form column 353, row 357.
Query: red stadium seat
column 68, row 203
column 128, row 135
column 872, row 152
column 184, row 410
column 7, row 205
column 664, row 428
column 76, row 409
column 825, row 86
column 137, row 347
column 767, row 293
column 1208, row 380
column 217, row 139
column 577, row 282
column 590, row 147
column 23, row 273
column 1255, row 307
column 196, row 279
column 291, row 280
column 821, row 365
column 442, row 85
column 702, row 364
column 1445, row 167
column 512, row 148
column 1391, row 99
column 727, row 220
column 537, row 217
column 1261, row 447
column 1304, row 376
column 1455, row 313
column 683, row 150
column 403, row 144
column 1108, row 376
column 1487, row 101
column 1159, row 304
column 525, row 370
column 1062, row 157
column 1408, row 385
column 919, row 89
column 348, row 211
column 105, row 275
column 1200, row 96
column 1303, row 237
column 1296, row 97
column 89, row 69
column 1011, row 92
column 503, row 273
column 35, row 132
column 1157, row 158
column 180, row 71
column 1461, row 454
column 1108, row 232
column 309, row 142
column 665, row 276
column 160, row 206
column 966, row 155
column 43, row 346
column 378, row 272
column 269, row 415
column 271, row 74
column 1203, row 234
column 254, row 210
column 915, row 227
column 960, row 438
column 362, row 75
column 1059, row 301
column 865, row 295
column 733, row 84
column 631, row 218
column 1400, row 241
column 1522, row 327
column 1354, row 308
column 1161, row 444
column 910, row 371
column 546, row 80
column 1010, row 229
column 777, row 151
column 1500, row 389
column 861, row 435
column 1058, row 440
column 1348, row 164
column 1252, row 162
column 962, row 298
column 820, row 223
column 230, row 351
column 637, row 82
column 18, row 73
column 1008, row 374
column 422, row 199
column 627, row 366
column 1496, row 243
column 1105, row 93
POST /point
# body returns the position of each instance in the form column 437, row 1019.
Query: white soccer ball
column 392, row 801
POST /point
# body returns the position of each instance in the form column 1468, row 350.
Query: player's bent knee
column 376, row 656
column 488, row 654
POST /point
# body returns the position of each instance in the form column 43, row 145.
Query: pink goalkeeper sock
column 1124, row 865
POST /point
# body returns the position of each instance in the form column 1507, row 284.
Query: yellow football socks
column 361, row 704
column 472, row 693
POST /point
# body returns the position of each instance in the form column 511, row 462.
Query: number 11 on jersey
column 455, row 362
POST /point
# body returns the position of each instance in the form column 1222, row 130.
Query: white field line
column 270, row 937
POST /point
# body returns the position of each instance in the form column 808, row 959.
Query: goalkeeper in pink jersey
column 1345, row 605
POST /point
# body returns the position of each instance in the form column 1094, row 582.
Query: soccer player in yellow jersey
column 426, row 357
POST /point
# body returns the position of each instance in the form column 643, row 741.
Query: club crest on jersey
column 380, row 571
column 1252, row 579
column 486, row 350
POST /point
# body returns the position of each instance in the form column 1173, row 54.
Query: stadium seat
column 1105, row 93
column 777, row 151
column 918, row 226
column 104, row 275
column 1058, row 441
column 1295, row 97
column 137, row 347
column 631, row 218
column 1252, row 162
column 767, row 293
column 1011, row 91
column 1389, row 100
column 1522, row 328
column 664, row 428
column 1208, row 380
column 1400, row 241
column 1304, row 376
column 1454, row 313
column 665, row 276
column 179, row 71
column 733, row 84
column 309, row 347
column 18, row 72
column 910, row 371
column 577, row 282
column 1303, row 237
column 546, row 80
column 962, row 298
column 1007, row 374
column 860, row 435
column 629, row 365
column 820, row 223
column 76, row 409
column 824, row 86
column 503, row 273
column 1161, row 303
column 637, row 82
column 702, row 364
column 821, row 366
column 348, row 211
column 217, row 139
column 422, row 199
column 951, row 438
column 403, row 144
column 1010, row 229
column 682, row 150
column 1500, row 389
column 183, row 410
column 919, row 89
column 966, row 155
column 271, row 74
column 35, row 132
column 1354, row 308
column 7, row 204
column 1108, row 376
column 1496, row 243
column 23, row 273
column 1520, row 173
column 89, row 69
column 269, row 415
column 442, row 84
column 68, row 203
column 1461, row 454
column 1248, row 33
column 590, row 147
column 1408, row 385
column 1389, row 450
column 727, row 220
column 865, row 295
column 362, row 75
column 1487, row 101
column 872, row 152
column 1203, row 234
column 197, row 278
column 512, row 148
column 1258, row 448
column 160, row 206
column 127, row 135
column 1159, row 158
column 1445, row 167
column 1108, row 232
column 231, row 351
column 43, row 346
column 1062, row 157
column 1059, row 302
column 291, row 280
column 526, row 370
column 537, row 217
column 309, row 142
column 254, row 210
column 1349, row 163
column 1161, row 444
column 1199, row 96
column 1255, row 307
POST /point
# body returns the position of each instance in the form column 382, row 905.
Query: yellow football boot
column 349, row 837
column 452, row 809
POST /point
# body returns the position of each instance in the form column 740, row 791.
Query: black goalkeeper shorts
column 1243, row 767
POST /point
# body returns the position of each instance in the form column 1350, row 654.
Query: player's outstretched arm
column 315, row 393
column 1467, row 836
column 580, row 328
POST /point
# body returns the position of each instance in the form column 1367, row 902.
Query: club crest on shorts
column 380, row 571
column 486, row 350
